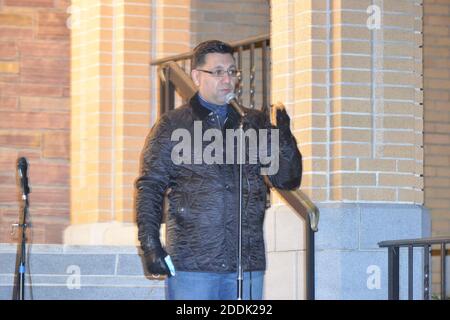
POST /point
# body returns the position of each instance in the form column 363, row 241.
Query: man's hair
column 210, row 46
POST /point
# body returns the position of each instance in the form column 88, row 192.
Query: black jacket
column 202, row 212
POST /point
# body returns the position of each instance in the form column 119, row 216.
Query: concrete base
column 107, row 233
column 284, row 233
column 349, row 263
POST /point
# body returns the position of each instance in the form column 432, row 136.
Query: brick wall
column 437, row 112
column 376, row 116
column 436, row 53
column 228, row 20
column 170, row 36
column 111, row 50
column 171, row 19
column 35, row 114
column 354, row 97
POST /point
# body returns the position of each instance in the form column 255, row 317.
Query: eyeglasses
column 220, row 73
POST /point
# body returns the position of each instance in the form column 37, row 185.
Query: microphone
column 231, row 100
column 22, row 167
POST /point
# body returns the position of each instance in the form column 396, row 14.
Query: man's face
column 214, row 89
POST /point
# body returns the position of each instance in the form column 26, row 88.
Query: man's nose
column 227, row 78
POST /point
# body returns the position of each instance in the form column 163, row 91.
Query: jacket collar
column 232, row 120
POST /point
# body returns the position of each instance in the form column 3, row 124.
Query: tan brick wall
column 114, row 105
column 133, row 29
column 437, row 113
column 111, row 106
column 436, row 54
column 35, row 114
column 373, row 71
column 172, row 22
column 170, row 36
column 228, row 20
column 92, row 109
column 354, row 95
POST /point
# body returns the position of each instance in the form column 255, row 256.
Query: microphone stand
column 241, row 154
column 19, row 288
column 231, row 100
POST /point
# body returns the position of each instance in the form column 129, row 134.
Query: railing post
column 171, row 104
column 252, row 75
column 240, row 65
column 393, row 266
column 265, row 107
column 443, row 253
column 162, row 91
column 310, row 262
column 410, row 272
column 426, row 272
column 169, row 92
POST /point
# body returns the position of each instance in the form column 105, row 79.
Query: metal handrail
column 182, row 82
column 299, row 197
column 394, row 246
column 187, row 55
column 414, row 242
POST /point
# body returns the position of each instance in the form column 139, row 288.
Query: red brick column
column 34, row 113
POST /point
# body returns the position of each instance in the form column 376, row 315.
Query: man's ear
column 195, row 75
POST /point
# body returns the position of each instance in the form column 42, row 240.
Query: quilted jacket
column 201, row 212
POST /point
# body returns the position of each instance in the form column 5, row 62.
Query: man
column 203, row 201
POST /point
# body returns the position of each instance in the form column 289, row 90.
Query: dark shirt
column 220, row 110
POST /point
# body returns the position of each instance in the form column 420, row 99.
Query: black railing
column 173, row 77
column 394, row 265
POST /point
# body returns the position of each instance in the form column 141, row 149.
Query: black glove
column 283, row 123
column 154, row 260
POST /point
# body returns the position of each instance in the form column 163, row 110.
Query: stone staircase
column 80, row 273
